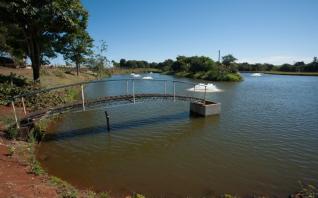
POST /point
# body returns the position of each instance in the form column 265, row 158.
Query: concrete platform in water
column 205, row 109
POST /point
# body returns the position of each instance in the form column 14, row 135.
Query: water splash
column 256, row 74
column 201, row 88
column 135, row 75
column 147, row 78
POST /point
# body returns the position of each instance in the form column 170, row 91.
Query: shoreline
column 284, row 73
column 29, row 170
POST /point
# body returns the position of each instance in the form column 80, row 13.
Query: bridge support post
column 133, row 91
column 206, row 108
column 23, row 104
column 15, row 115
column 107, row 121
column 83, row 97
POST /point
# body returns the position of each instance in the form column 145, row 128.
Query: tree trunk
column 36, row 61
column 77, row 68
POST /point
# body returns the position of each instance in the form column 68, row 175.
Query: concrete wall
column 210, row 108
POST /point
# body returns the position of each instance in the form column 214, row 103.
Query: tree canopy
column 39, row 29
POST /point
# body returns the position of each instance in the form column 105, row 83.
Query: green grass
column 209, row 75
column 292, row 73
column 65, row 189
column 114, row 71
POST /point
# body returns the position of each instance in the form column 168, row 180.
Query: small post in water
column 23, row 104
column 133, row 90
column 107, row 121
column 165, row 87
column 15, row 115
column 83, row 97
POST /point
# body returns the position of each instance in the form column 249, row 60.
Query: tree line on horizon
column 204, row 64
column 300, row 66
column 201, row 67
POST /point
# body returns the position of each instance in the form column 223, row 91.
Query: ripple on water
column 264, row 141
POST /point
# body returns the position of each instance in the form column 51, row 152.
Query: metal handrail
column 93, row 82
column 81, row 84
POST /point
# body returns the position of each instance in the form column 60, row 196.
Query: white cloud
column 276, row 60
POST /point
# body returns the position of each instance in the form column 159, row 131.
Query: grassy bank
column 291, row 73
column 210, row 76
column 114, row 71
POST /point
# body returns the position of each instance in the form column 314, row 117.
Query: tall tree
column 77, row 48
column 228, row 59
column 229, row 62
column 98, row 60
column 40, row 26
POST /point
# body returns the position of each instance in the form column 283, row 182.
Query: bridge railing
column 169, row 87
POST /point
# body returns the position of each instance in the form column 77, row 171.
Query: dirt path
column 17, row 181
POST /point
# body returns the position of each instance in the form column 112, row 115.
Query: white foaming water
column 256, row 74
column 135, row 75
column 201, row 88
column 147, row 78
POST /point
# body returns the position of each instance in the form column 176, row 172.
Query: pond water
column 264, row 141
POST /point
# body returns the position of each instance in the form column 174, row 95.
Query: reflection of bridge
column 198, row 105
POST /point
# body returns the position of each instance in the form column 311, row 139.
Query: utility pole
column 219, row 59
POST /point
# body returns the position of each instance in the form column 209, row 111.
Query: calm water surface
column 264, row 141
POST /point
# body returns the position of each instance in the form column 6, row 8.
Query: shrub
column 59, row 73
column 19, row 81
column 103, row 195
column 12, row 133
column 44, row 72
column 11, row 150
column 233, row 77
column 66, row 189
column 7, row 91
column 136, row 195
column 36, row 169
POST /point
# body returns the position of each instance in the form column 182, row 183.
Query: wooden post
column 22, row 99
column 15, row 115
column 83, row 97
column 174, row 91
column 107, row 121
column 165, row 87
column 133, row 90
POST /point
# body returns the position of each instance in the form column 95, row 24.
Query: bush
column 7, row 92
column 12, row 133
column 233, row 77
column 67, row 190
column 36, row 169
column 19, row 81
column 11, row 150
column 59, row 73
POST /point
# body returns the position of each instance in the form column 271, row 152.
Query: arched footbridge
column 126, row 93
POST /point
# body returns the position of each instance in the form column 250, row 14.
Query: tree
column 98, row 60
column 77, row 47
column 40, row 26
column 229, row 62
column 228, row 59
column 122, row 62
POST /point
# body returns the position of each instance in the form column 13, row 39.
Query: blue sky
column 273, row 31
